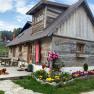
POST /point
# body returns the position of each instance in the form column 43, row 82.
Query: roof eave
column 32, row 9
column 26, row 41
column 41, row 3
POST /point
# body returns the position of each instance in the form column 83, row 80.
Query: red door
column 37, row 52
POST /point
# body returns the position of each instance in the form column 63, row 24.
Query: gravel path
column 11, row 88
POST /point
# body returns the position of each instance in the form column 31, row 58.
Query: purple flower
column 52, row 56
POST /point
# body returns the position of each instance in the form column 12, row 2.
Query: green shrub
column 85, row 67
column 30, row 68
column 63, row 65
column 65, row 76
column 41, row 74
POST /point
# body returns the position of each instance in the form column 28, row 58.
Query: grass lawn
column 1, row 92
column 75, row 87
column 3, row 49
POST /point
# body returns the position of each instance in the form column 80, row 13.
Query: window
column 38, row 18
column 20, row 48
column 14, row 52
column 80, row 47
column 10, row 50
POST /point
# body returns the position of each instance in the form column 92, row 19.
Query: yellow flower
column 49, row 79
column 57, row 77
column 40, row 76
column 49, row 72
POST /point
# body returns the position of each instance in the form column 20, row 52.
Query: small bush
column 41, row 74
column 85, row 66
column 65, row 76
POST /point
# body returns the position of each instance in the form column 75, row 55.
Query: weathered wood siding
column 17, row 52
column 38, row 21
column 66, row 47
column 37, row 26
column 10, row 52
column 44, row 17
column 24, row 52
column 46, row 46
column 13, row 51
column 78, row 25
column 52, row 13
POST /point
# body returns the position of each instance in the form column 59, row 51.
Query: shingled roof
column 53, row 27
column 26, row 26
column 21, row 38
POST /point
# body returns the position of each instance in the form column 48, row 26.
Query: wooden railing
column 4, row 54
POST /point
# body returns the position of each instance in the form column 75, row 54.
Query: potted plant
column 85, row 67
column 30, row 68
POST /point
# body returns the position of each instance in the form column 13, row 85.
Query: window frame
column 80, row 47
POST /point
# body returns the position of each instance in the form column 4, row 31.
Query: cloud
column 23, row 18
column 23, row 10
column 7, row 26
column 91, row 7
column 22, row 7
column 5, row 5
column 68, row 1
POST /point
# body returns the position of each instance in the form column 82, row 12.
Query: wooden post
column 45, row 17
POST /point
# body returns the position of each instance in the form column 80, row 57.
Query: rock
column 53, row 84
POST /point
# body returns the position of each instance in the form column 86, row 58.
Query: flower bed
column 60, row 78
column 55, row 76
column 82, row 73
column 51, row 78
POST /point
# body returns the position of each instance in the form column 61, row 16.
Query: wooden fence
column 3, row 54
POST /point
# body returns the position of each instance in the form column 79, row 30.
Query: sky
column 13, row 12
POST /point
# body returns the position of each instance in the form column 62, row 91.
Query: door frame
column 29, row 53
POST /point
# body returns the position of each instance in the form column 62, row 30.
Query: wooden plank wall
column 49, row 14
column 78, row 25
column 37, row 25
column 52, row 14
